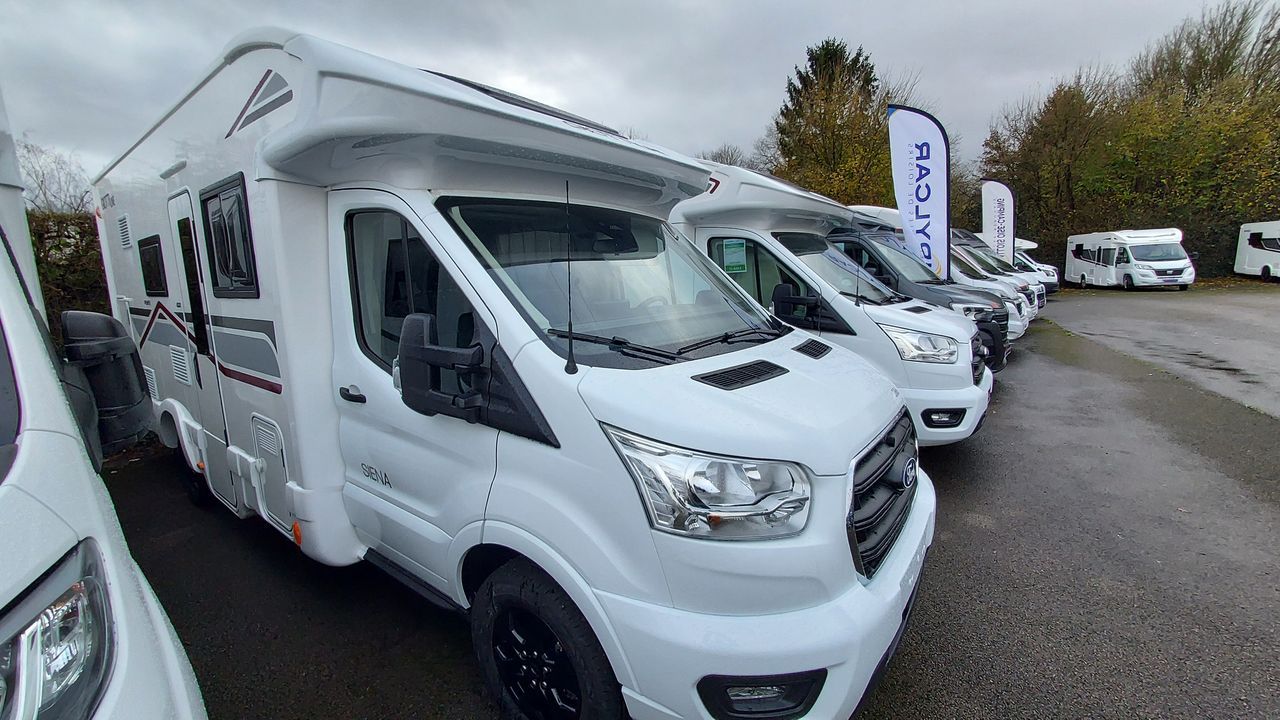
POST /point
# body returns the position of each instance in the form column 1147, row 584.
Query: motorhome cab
column 770, row 237
column 1129, row 258
column 82, row 634
column 968, row 275
column 1026, row 268
column 980, row 254
column 415, row 320
column 1258, row 252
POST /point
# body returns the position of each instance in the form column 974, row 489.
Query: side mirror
column 789, row 306
column 424, row 368
column 104, row 381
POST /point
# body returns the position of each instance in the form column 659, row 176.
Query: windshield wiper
column 863, row 298
column 731, row 336
column 618, row 344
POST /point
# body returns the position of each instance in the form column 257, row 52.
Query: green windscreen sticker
column 735, row 256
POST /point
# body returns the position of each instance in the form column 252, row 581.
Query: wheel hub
column 534, row 667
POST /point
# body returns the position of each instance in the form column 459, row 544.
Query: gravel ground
column 1106, row 547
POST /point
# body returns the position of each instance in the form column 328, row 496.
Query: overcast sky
column 89, row 77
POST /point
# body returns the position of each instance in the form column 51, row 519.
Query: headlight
column 923, row 347
column 970, row 311
column 719, row 498
column 55, row 644
column 1142, row 266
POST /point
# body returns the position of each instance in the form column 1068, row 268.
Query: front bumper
column 670, row 650
column 1148, row 278
column 972, row 399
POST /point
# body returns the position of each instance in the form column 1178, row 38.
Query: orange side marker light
column 297, row 533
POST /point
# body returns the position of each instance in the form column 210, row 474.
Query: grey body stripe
column 247, row 351
column 162, row 333
column 266, row 327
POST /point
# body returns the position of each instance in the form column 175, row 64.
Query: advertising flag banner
column 921, row 159
column 997, row 218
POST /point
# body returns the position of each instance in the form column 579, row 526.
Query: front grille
column 883, row 488
column 1002, row 319
column 1171, row 272
column 1030, row 296
column 975, row 360
column 1040, row 297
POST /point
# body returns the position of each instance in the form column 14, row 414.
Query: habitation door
column 202, row 370
column 413, row 481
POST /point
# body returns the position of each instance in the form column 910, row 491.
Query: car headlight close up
column 915, row 346
column 56, row 643
column 970, row 311
column 1142, row 266
column 708, row 496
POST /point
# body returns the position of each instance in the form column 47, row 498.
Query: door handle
column 350, row 394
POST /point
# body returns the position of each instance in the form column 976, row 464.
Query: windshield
column 965, row 267
column 835, row 268
column 1158, row 251
column 634, row 279
column 985, row 262
column 907, row 265
column 1000, row 263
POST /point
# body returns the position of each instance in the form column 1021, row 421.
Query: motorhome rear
column 1258, row 250
column 771, row 238
column 1129, row 259
column 415, row 320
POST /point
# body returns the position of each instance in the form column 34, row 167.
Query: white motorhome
column 82, row 634
column 768, row 235
column 1129, row 258
column 415, row 320
column 887, row 215
column 1258, row 251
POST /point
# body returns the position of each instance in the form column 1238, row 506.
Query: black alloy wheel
column 538, row 655
column 534, row 667
column 1266, row 274
column 1128, row 282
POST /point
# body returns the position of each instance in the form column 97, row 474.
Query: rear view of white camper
column 1258, row 250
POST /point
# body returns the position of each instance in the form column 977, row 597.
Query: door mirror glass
column 422, row 363
column 102, row 365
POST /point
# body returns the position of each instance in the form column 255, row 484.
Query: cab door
column 412, row 481
column 201, row 370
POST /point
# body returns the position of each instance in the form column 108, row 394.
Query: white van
column 1129, row 258
column 81, row 632
column 770, row 237
column 448, row 330
column 1258, row 251
column 1014, row 292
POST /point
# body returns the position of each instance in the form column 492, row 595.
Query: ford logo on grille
column 909, row 473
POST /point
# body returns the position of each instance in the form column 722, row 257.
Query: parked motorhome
column 880, row 254
column 985, row 258
column 770, row 237
column 1129, row 259
column 81, row 632
column 415, row 320
column 1046, row 275
column 1013, row 291
column 1258, row 251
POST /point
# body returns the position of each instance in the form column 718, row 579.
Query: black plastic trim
column 924, row 417
column 740, row 376
column 712, row 689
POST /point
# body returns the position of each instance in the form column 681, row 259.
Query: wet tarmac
column 1107, row 546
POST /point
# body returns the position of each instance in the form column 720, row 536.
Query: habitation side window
column 756, row 270
column 152, row 259
column 232, row 269
column 393, row 274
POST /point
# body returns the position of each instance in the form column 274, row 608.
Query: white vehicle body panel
column 365, row 476
column 1105, row 259
column 1258, row 249
column 750, row 206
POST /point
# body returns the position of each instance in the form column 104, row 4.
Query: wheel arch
column 503, row 542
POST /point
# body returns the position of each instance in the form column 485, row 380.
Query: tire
column 525, row 627
column 1184, row 287
column 1127, row 282
column 1266, row 274
column 1083, row 281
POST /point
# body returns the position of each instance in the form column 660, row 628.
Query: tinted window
column 232, row 270
column 394, row 274
column 1158, row 251
column 152, row 259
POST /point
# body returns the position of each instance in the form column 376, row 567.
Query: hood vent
column 812, row 348
column 917, row 309
column 740, row 376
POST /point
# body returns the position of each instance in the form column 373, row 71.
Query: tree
column 831, row 133
column 728, row 154
column 55, row 181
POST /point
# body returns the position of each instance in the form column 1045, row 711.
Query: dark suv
column 878, row 252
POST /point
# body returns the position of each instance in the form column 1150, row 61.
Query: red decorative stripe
column 245, row 109
column 248, row 379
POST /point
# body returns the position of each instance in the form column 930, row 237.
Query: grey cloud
column 88, row 77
